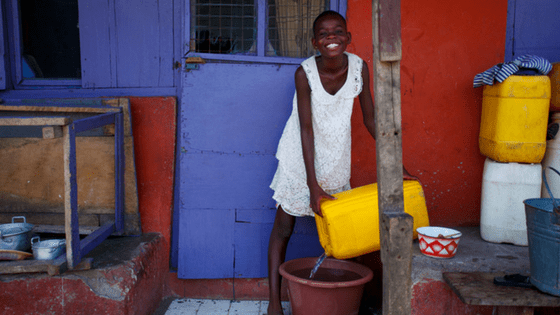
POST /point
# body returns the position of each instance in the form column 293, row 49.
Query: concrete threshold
column 126, row 277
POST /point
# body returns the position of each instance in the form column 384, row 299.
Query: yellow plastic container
column 350, row 225
column 514, row 119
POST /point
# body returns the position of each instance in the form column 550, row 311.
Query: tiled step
column 220, row 307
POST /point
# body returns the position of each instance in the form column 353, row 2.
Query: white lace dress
column 331, row 128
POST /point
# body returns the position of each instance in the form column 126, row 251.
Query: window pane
column 223, row 26
column 50, row 39
column 290, row 26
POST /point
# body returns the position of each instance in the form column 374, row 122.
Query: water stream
column 317, row 264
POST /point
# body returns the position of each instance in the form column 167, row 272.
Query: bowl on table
column 438, row 242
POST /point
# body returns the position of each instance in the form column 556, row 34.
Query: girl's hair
column 327, row 13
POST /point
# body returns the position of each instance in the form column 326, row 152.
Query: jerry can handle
column 556, row 207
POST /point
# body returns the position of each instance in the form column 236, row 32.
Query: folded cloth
column 502, row 71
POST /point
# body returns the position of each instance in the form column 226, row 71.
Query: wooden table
column 478, row 288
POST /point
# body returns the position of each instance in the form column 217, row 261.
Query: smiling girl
column 314, row 150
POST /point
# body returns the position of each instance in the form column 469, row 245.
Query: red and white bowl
column 437, row 241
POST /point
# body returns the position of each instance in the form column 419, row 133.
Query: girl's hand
column 317, row 194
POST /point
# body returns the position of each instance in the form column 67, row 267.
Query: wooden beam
column 64, row 109
column 51, row 132
column 34, row 121
column 390, row 46
column 395, row 225
column 73, row 255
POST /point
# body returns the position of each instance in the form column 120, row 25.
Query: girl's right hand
column 317, row 194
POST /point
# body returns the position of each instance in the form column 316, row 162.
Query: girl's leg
column 279, row 237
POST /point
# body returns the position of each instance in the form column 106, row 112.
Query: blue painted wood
column 248, row 114
column 226, row 181
column 230, row 120
column 18, row 95
column 256, row 215
column 534, row 29
column 207, row 247
column 305, row 240
column 261, row 28
column 96, row 237
column 508, row 56
column 78, row 247
column 97, row 39
column 251, row 246
column 246, row 58
column 119, row 173
column 93, row 122
column 2, row 52
column 145, row 43
column 227, row 146
column 124, row 44
column 72, row 236
column 15, row 52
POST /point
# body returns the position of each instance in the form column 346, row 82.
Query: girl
column 314, row 150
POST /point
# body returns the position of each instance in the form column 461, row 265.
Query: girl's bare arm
column 307, row 140
column 366, row 102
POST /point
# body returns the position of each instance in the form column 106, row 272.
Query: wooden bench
column 478, row 288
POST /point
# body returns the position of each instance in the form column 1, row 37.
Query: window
column 260, row 28
column 90, row 45
column 50, row 39
column 45, row 42
column 290, row 26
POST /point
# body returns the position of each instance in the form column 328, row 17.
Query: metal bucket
column 543, row 231
column 49, row 249
column 16, row 236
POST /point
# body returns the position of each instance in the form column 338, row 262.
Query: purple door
column 533, row 29
column 233, row 110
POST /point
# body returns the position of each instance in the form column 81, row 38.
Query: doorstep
column 126, row 277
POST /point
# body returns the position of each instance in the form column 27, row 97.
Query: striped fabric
column 502, row 71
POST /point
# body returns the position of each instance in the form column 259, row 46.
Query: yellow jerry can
column 350, row 224
column 514, row 119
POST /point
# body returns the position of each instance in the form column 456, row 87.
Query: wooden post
column 395, row 225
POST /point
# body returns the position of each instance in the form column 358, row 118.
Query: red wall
column 445, row 44
column 153, row 126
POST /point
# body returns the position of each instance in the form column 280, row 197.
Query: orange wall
column 153, row 127
column 444, row 44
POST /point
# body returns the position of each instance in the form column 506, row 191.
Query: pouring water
column 317, row 264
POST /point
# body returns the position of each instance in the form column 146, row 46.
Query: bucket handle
column 556, row 207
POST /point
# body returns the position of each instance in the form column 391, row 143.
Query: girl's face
column 331, row 37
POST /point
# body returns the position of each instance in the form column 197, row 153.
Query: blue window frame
column 267, row 31
column 46, row 44
column 119, row 48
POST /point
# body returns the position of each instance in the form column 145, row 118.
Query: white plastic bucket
column 502, row 212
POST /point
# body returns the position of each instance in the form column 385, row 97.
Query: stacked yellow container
column 514, row 119
column 513, row 138
column 350, row 224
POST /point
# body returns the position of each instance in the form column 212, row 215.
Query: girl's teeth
column 331, row 46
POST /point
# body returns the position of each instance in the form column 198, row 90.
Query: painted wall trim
column 86, row 93
column 510, row 28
